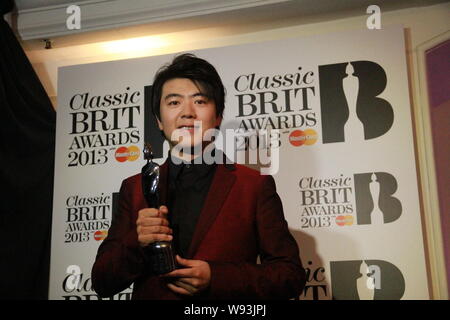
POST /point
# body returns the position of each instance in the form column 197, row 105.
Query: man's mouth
column 188, row 127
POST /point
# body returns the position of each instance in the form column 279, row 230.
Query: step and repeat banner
column 335, row 113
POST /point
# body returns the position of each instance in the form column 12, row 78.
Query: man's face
column 182, row 103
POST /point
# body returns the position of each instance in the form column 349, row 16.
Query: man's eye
column 173, row 103
column 201, row 101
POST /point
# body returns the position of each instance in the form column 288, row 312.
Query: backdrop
column 334, row 112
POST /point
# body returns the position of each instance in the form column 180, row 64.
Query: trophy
column 161, row 257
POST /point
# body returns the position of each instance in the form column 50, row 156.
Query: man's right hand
column 152, row 225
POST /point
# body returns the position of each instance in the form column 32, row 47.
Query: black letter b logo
column 348, row 94
column 375, row 201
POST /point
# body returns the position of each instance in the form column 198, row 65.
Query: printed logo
column 375, row 203
column 344, row 220
column 326, row 202
column 299, row 137
column 281, row 102
column 366, row 280
column 87, row 217
column 333, row 201
column 350, row 107
column 100, row 235
column 130, row 153
column 101, row 123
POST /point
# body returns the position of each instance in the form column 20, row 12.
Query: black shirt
column 188, row 186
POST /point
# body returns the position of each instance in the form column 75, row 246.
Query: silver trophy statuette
column 160, row 253
column 150, row 178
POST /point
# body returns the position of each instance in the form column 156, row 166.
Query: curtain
column 27, row 143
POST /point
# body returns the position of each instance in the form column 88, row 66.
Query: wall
column 421, row 26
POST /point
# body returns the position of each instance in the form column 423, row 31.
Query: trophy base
column 162, row 259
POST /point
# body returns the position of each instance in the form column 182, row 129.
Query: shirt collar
column 177, row 166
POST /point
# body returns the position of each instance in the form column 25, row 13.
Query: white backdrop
column 347, row 174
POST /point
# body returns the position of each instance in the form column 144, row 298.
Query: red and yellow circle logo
column 100, row 235
column 310, row 137
column 299, row 137
column 344, row 220
column 130, row 153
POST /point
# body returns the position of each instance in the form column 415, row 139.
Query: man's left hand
column 191, row 280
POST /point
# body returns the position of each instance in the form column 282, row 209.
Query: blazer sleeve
column 120, row 259
column 280, row 275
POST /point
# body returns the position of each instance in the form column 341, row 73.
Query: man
column 220, row 217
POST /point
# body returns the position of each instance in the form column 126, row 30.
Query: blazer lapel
column 220, row 187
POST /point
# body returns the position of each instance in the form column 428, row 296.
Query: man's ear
column 218, row 121
column 159, row 124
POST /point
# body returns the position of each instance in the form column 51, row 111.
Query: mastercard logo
column 344, row 220
column 100, row 234
column 300, row 137
column 130, row 153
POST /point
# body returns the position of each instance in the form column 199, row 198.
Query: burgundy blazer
column 242, row 219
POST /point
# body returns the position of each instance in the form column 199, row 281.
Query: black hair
column 200, row 71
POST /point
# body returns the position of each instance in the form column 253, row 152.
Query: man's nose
column 188, row 110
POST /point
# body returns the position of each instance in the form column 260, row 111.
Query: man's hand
column 152, row 225
column 191, row 280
